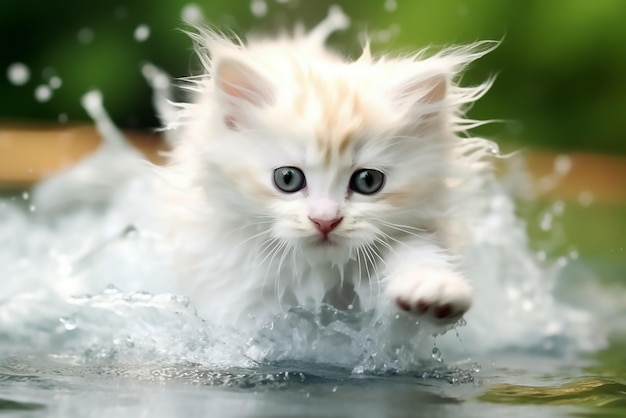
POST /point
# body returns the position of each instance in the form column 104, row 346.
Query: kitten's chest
column 336, row 285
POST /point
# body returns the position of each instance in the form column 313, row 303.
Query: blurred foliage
column 560, row 67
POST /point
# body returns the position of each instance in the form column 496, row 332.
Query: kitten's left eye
column 289, row 179
column 367, row 181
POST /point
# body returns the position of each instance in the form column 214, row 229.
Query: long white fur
column 242, row 247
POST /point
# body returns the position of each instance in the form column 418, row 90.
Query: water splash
column 335, row 20
column 84, row 184
column 162, row 98
column 90, row 244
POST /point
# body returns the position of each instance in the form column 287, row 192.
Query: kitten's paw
column 437, row 295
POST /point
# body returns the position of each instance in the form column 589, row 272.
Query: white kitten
column 300, row 178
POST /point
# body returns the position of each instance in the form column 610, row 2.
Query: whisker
column 287, row 248
column 421, row 236
column 371, row 253
column 272, row 253
column 251, row 238
column 401, row 225
column 374, row 252
column 367, row 270
column 241, row 228
column 389, row 237
column 295, row 264
column 358, row 262
column 268, row 243
column 381, row 240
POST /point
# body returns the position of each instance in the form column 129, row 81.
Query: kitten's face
column 329, row 169
column 334, row 198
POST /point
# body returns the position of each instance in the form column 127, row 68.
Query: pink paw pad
column 443, row 311
column 403, row 304
column 440, row 312
column 422, row 306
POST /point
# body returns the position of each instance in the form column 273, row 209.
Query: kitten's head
column 328, row 156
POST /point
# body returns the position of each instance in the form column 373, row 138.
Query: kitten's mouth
column 324, row 241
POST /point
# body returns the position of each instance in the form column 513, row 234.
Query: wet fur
column 247, row 251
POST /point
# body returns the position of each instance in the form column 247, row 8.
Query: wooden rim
column 29, row 154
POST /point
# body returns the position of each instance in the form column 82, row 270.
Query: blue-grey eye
column 289, row 179
column 367, row 181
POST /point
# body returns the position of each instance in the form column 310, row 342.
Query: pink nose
column 325, row 226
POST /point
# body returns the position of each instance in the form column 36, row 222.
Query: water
column 18, row 74
column 72, row 344
column 89, row 326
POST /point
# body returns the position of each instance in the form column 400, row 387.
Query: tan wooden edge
column 28, row 154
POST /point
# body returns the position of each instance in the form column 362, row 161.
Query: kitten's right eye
column 289, row 179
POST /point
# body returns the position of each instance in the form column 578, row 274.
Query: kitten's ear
column 422, row 98
column 241, row 86
column 420, row 90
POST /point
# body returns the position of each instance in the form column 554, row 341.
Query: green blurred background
column 561, row 66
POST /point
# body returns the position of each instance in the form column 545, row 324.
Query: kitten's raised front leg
column 425, row 285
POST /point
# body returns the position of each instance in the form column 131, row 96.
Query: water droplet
column 43, row 93
column 546, row 222
column 335, row 389
column 258, row 8
column 191, row 14
column 121, row 13
column 32, row 208
column 573, row 255
column 55, row 82
column 85, row 36
column 585, row 198
column 562, row 164
column 528, row 305
column 25, row 196
column 391, row 5
column 92, row 101
column 18, row 74
column 62, row 117
column 142, row 32
column 69, row 322
column 48, row 72
column 558, row 207
column 155, row 76
column 350, row 307
column 436, row 354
